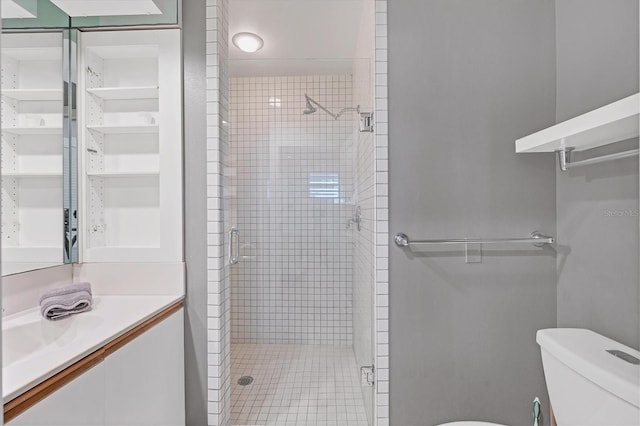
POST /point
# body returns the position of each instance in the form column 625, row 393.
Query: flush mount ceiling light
column 108, row 7
column 19, row 8
column 248, row 42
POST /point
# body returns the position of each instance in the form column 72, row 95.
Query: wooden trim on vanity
column 40, row 391
column 119, row 342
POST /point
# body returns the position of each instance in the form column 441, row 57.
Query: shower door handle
column 234, row 255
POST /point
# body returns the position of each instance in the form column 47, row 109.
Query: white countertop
column 35, row 349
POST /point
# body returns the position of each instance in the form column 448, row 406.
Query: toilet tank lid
column 585, row 352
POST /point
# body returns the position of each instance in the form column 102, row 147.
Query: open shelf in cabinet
column 32, row 150
column 32, row 218
column 116, row 174
column 131, row 146
column 33, row 175
column 125, row 93
column 33, row 94
column 34, row 130
column 118, row 130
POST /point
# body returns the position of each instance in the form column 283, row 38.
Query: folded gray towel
column 62, row 302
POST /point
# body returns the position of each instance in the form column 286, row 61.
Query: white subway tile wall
column 292, row 181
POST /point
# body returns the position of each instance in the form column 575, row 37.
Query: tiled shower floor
column 296, row 385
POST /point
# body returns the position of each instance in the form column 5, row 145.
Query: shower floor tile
column 296, row 385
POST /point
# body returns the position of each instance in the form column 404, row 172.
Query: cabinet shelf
column 33, row 130
column 125, row 93
column 611, row 123
column 33, row 94
column 124, row 174
column 130, row 135
column 52, row 53
column 31, row 174
column 119, row 130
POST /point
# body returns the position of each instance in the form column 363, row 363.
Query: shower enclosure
column 294, row 194
column 297, row 294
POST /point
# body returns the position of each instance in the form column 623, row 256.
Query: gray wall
column 468, row 77
column 195, row 155
column 597, row 60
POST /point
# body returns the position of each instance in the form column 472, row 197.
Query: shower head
column 310, row 109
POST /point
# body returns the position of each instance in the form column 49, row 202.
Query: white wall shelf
column 125, row 93
column 119, row 130
column 33, row 94
column 611, row 123
column 33, row 130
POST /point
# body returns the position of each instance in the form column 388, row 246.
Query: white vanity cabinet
column 32, row 151
column 142, row 383
column 130, row 146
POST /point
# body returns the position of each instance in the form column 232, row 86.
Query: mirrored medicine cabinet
column 90, row 154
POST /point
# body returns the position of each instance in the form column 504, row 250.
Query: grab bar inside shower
column 536, row 238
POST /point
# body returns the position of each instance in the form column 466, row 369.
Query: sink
column 23, row 339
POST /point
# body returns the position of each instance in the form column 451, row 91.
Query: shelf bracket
column 564, row 158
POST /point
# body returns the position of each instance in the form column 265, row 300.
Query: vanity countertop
column 35, row 349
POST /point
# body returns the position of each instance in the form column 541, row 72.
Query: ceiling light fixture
column 248, row 42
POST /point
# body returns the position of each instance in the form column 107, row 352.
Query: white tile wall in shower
column 292, row 182
column 218, row 281
column 382, row 215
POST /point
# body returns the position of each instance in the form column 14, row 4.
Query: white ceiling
column 108, row 7
column 300, row 36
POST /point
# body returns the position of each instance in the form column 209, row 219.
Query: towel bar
column 536, row 238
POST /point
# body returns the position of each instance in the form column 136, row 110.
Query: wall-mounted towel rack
column 564, row 158
column 536, row 238
column 615, row 122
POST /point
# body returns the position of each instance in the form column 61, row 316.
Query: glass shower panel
column 297, row 179
column 293, row 183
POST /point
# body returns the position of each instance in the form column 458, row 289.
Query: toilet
column 591, row 379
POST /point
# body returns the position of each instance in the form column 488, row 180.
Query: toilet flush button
column 468, row 423
column 624, row 356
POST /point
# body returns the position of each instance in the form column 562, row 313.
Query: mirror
column 39, row 131
column 32, row 151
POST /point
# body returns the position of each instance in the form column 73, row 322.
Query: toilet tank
column 588, row 385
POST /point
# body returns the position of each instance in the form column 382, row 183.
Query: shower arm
column 343, row 110
column 335, row 116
